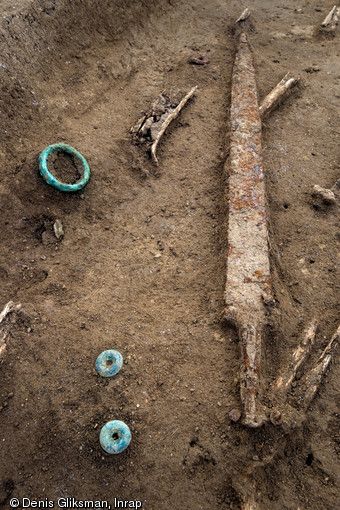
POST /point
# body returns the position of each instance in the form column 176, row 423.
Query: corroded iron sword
column 248, row 287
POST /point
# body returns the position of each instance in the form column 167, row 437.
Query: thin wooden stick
column 315, row 376
column 277, row 94
column 169, row 119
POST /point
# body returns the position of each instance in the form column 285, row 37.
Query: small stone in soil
column 58, row 229
column 199, row 60
column 235, row 415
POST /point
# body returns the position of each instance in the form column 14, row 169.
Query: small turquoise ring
column 109, row 363
column 115, row 437
column 50, row 179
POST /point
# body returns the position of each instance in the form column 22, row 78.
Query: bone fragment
column 245, row 15
column 330, row 22
column 299, row 357
column 248, row 283
column 326, row 195
column 315, row 376
column 58, row 229
column 3, row 348
column 277, row 94
column 336, row 186
column 250, row 505
column 249, row 492
column 328, row 19
column 9, row 307
column 168, row 120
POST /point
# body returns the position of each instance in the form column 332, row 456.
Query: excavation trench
column 141, row 264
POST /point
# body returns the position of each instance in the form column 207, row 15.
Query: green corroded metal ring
column 109, row 363
column 50, row 179
column 115, row 437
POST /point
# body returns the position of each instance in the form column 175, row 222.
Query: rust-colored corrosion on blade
column 248, row 285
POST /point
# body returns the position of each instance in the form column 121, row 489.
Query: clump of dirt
column 141, row 264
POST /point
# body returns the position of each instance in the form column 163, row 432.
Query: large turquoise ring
column 53, row 181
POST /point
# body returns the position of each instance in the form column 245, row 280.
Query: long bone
column 9, row 308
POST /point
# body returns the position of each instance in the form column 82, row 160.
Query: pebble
column 235, row 415
column 276, row 417
column 278, row 35
column 200, row 60
column 312, row 69
column 326, row 195
column 58, row 229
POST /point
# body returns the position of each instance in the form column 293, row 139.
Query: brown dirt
column 141, row 267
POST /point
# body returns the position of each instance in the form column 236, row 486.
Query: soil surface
column 141, row 264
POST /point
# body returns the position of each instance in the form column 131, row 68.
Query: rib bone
column 168, row 120
column 328, row 19
column 277, row 94
column 330, row 22
column 245, row 15
column 9, row 307
column 315, row 376
column 300, row 355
